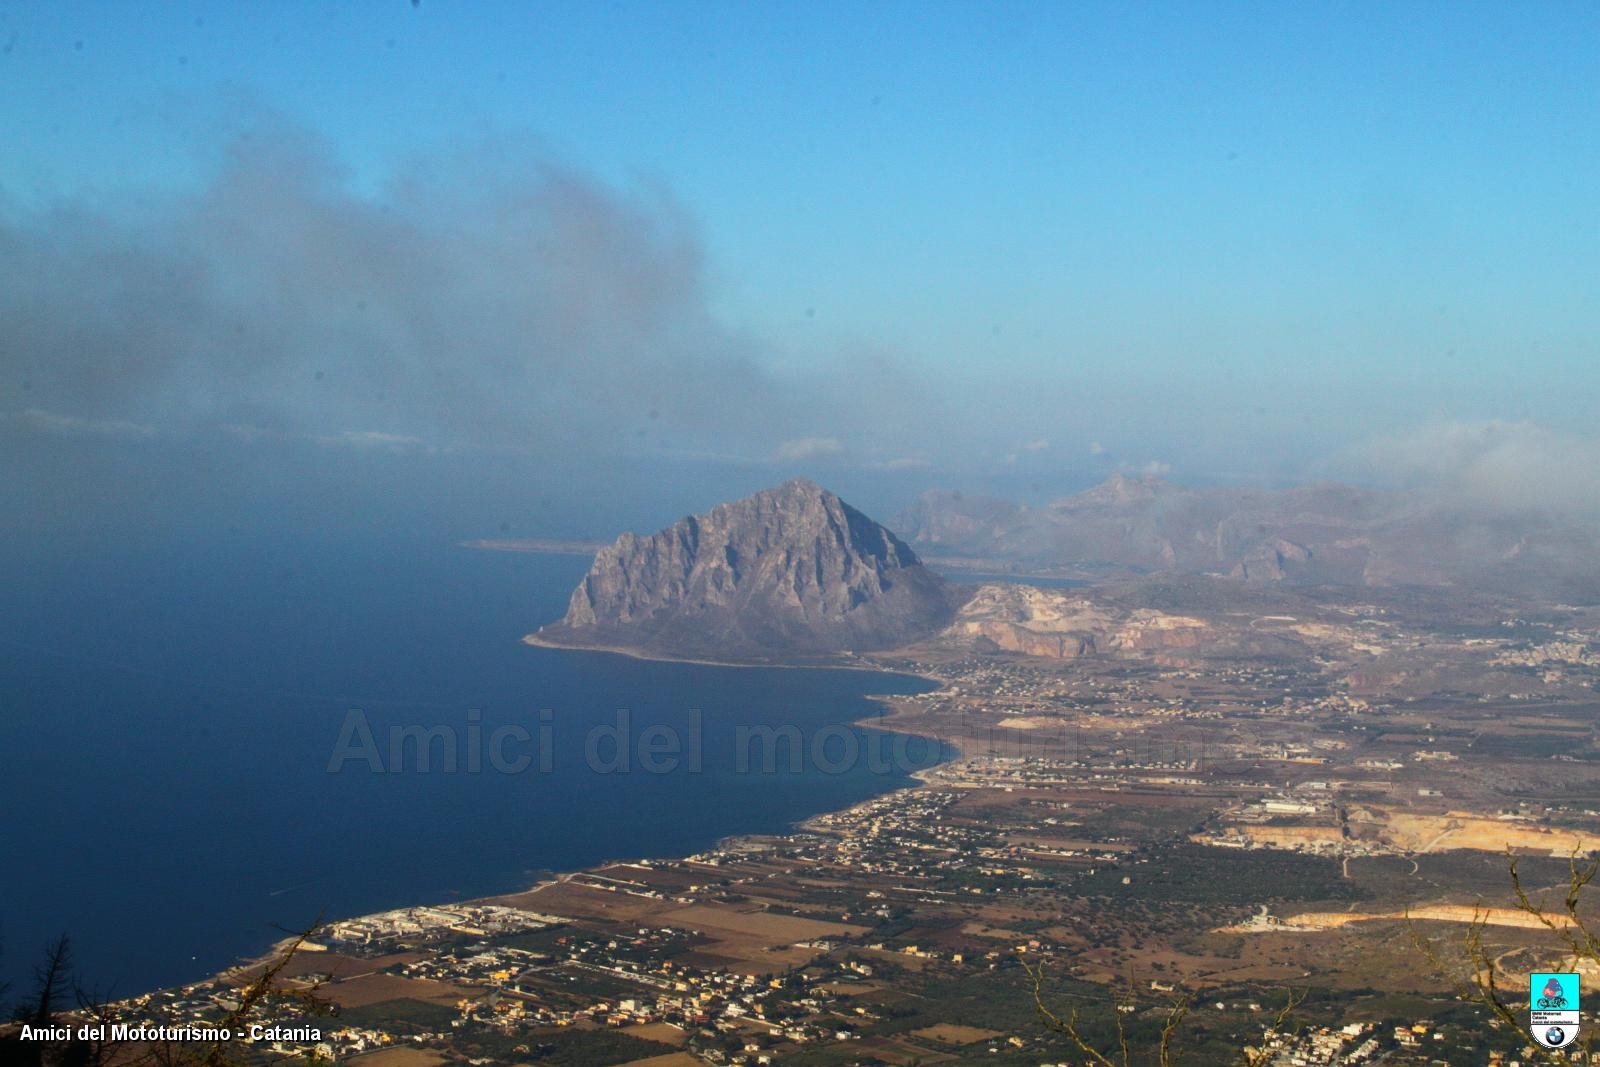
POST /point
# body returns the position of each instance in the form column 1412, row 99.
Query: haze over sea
column 171, row 714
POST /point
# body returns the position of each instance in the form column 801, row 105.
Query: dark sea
column 172, row 716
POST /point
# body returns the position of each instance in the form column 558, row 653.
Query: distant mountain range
column 1319, row 535
column 790, row 571
column 793, row 573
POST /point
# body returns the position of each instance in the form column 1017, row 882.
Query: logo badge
column 1553, row 992
column 1553, row 1008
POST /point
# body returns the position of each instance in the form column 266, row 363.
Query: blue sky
column 1234, row 239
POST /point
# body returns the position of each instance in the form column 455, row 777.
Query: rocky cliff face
column 792, row 570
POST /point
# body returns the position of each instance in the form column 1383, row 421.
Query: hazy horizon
column 559, row 271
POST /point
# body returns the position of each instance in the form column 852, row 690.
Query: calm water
column 170, row 716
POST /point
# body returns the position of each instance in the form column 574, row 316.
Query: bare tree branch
column 1177, row 1013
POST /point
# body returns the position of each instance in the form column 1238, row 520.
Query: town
column 1113, row 836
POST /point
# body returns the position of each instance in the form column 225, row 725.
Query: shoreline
column 919, row 780
column 852, row 663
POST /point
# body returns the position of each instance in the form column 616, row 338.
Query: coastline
column 852, row 663
column 920, row 780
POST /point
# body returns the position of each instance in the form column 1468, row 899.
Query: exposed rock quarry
column 1059, row 624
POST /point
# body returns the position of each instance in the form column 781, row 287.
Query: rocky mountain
column 1318, row 535
column 790, row 571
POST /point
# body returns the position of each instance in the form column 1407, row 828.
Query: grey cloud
column 371, row 439
column 802, row 448
column 471, row 304
column 54, row 422
column 1508, row 466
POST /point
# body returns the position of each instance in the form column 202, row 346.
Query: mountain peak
column 797, row 486
column 1119, row 490
column 790, row 569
